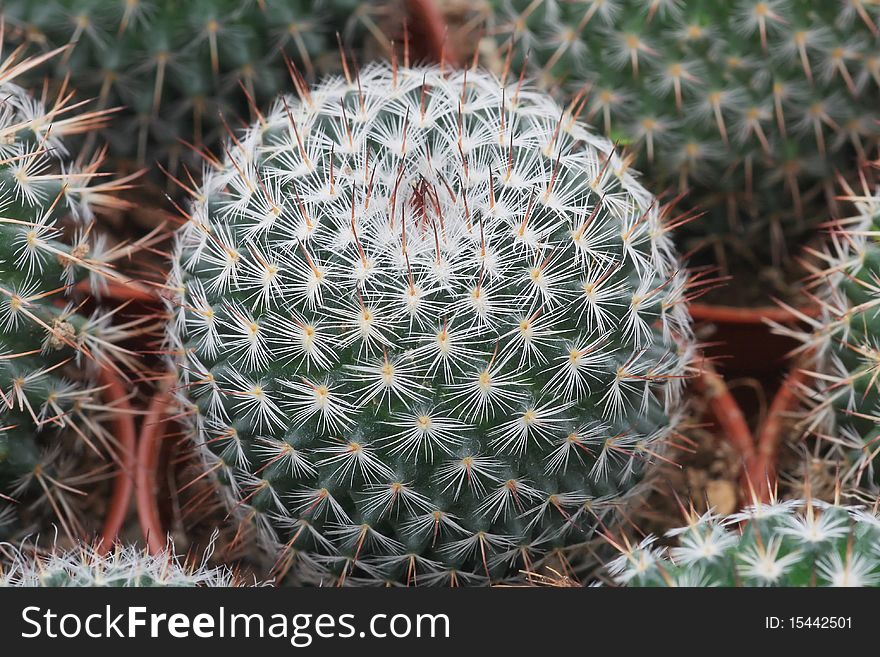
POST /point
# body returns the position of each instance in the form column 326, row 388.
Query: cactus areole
column 427, row 328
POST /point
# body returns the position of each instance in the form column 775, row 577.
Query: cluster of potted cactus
column 424, row 309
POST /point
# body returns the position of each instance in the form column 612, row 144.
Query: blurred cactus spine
column 176, row 67
column 752, row 106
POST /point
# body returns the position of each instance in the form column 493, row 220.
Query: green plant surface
column 427, row 329
column 751, row 107
column 181, row 71
column 54, row 338
column 841, row 347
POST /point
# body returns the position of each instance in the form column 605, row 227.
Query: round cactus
column 791, row 543
column 427, row 328
column 842, row 345
column 176, row 66
column 51, row 262
column 123, row 566
column 752, row 106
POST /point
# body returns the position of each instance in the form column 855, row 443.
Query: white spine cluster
column 122, row 566
column 785, row 543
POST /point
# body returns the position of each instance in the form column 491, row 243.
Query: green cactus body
column 843, row 344
column 175, row 66
column 753, row 106
column 428, row 329
column 791, row 543
column 122, row 566
column 51, row 344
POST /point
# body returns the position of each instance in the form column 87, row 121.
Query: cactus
column 790, row 543
column 841, row 344
column 753, row 106
column 122, row 566
column 427, row 328
column 52, row 343
column 176, row 66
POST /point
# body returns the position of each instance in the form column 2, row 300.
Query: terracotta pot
column 759, row 456
column 116, row 396
column 115, row 393
column 742, row 340
column 760, row 472
column 123, row 290
column 427, row 30
column 149, row 449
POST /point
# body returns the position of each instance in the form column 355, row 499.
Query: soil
column 706, row 476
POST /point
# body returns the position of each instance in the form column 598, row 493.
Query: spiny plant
column 176, row 66
column 52, row 346
column 427, row 328
column 789, row 543
column 122, row 566
column 842, row 344
column 751, row 105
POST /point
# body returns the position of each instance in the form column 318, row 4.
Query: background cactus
column 122, row 566
column 790, row 543
column 53, row 339
column 427, row 328
column 175, row 67
column 842, row 344
column 752, row 105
